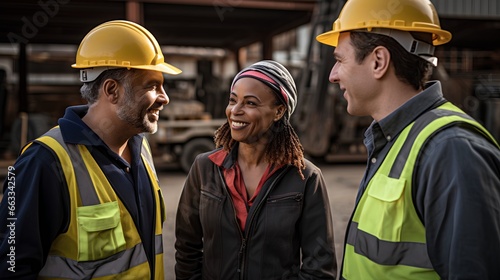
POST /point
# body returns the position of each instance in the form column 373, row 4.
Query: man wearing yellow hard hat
column 87, row 199
column 428, row 206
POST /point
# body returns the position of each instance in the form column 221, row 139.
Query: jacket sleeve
column 188, row 231
column 33, row 212
column 458, row 199
column 316, row 226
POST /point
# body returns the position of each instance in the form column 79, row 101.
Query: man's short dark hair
column 409, row 68
column 90, row 90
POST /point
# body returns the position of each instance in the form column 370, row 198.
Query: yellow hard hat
column 119, row 44
column 404, row 15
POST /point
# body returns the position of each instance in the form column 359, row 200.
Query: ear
column 110, row 90
column 381, row 61
column 280, row 111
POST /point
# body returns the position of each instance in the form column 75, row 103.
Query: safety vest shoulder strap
column 71, row 160
column 422, row 130
column 147, row 156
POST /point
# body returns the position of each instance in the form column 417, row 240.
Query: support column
column 267, row 47
column 22, row 64
column 134, row 12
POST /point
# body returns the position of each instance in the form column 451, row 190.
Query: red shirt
column 236, row 186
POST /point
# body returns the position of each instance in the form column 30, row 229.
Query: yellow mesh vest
column 386, row 239
column 102, row 240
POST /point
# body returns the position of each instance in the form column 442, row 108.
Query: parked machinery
column 326, row 130
column 187, row 124
column 470, row 79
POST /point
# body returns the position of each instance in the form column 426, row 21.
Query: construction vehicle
column 185, row 128
column 325, row 129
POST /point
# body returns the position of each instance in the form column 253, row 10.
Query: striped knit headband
column 266, row 80
column 275, row 76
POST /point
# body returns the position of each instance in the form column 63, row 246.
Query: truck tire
column 193, row 148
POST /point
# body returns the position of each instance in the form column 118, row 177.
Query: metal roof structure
column 471, row 9
column 229, row 24
column 474, row 24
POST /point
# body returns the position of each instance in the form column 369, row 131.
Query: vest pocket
column 100, row 232
column 383, row 208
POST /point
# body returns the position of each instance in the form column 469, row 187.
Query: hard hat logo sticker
column 394, row 7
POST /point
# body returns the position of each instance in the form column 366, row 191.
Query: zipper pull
column 243, row 245
column 298, row 197
column 240, row 256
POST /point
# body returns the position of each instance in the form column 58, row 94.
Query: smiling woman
column 255, row 208
column 252, row 110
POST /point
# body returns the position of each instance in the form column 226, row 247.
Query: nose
column 162, row 96
column 334, row 78
column 234, row 109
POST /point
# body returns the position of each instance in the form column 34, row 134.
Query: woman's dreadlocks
column 283, row 148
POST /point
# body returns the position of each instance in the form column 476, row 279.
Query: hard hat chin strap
column 412, row 45
column 90, row 74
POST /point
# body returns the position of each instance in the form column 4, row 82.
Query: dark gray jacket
column 288, row 234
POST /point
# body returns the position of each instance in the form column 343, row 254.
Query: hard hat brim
column 332, row 37
column 163, row 67
column 329, row 38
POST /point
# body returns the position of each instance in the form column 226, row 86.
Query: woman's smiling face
column 252, row 110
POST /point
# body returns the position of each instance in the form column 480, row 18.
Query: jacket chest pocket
column 100, row 232
column 283, row 211
column 287, row 199
column 210, row 210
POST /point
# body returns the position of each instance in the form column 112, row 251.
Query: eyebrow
column 246, row 96
column 153, row 80
column 336, row 55
column 158, row 79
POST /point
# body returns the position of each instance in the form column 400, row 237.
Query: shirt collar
column 223, row 158
column 395, row 122
column 75, row 131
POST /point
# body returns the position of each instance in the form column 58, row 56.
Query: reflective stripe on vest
column 99, row 216
column 386, row 238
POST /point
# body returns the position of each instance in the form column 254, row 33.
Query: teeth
column 239, row 124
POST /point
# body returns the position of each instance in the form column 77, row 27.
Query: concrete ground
column 342, row 181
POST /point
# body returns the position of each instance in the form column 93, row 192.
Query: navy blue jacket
column 42, row 199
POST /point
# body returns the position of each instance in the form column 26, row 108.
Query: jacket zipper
column 250, row 222
column 243, row 240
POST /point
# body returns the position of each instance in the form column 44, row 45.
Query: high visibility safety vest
column 386, row 238
column 102, row 241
